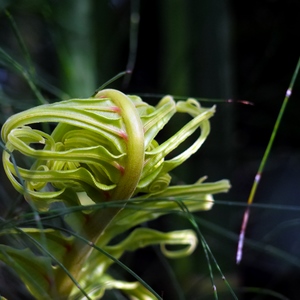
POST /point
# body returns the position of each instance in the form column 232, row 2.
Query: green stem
column 99, row 220
column 273, row 135
column 134, row 141
column 263, row 163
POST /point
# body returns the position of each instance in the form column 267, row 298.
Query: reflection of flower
column 102, row 150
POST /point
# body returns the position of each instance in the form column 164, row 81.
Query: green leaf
column 34, row 271
column 196, row 197
column 135, row 290
column 143, row 237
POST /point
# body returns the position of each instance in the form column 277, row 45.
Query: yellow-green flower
column 103, row 146
column 103, row 152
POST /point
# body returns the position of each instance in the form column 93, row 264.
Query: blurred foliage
column 216, row 49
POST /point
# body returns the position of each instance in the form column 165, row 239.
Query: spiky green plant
column 105, row 168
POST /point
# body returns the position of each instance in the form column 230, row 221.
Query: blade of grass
column 258, row 175
column 260, row 246
column 18, row 67
column 31, row 68
column 133, row 39
column 108, row 82
column 21, row 43
column 29, row 74
column 207, row 251
column 62, row 211
column 177, row 97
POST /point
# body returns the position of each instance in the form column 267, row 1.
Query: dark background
column 212, row 49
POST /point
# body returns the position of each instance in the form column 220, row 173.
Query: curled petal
column 106, row 143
